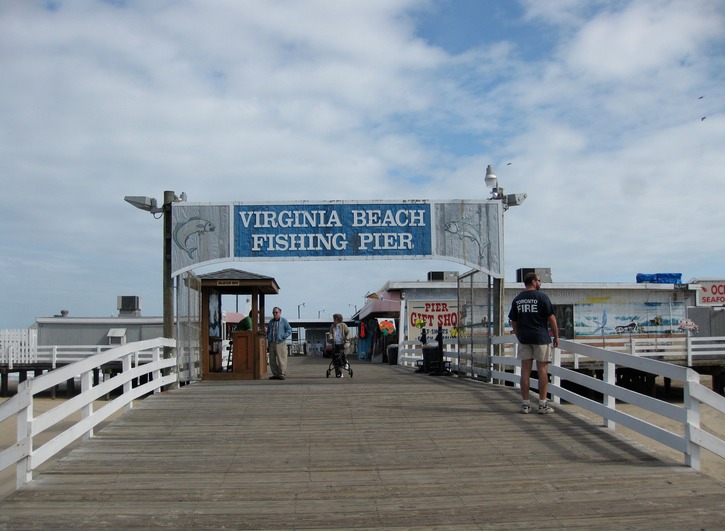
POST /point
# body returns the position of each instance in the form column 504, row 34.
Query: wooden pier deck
column 387, row 449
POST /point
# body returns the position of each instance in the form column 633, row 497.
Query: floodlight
column 143, row 203
column 514, row 199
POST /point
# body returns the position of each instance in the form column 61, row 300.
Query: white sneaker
column 546, row 409
column 525, row 409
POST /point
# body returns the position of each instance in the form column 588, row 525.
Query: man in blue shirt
column 531, row 317
column 278, row 330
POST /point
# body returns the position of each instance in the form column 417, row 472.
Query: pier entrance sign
column 463, row 231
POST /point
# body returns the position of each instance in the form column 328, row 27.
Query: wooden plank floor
column 387, row 449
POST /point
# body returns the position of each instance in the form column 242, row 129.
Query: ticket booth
column 248, row 358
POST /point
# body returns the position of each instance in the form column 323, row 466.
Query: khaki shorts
column 540, row 353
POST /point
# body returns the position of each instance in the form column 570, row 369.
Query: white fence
column 677, row 348
column 25, row 456
column 688, row 350
column 18, row 346
column 479, row 362
column 15, row 355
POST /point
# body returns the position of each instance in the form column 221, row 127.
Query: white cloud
column 302, row 100
column 641, row 39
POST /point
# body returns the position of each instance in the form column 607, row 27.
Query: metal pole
column 168, row 284
column 491, row 316
column 168, row 281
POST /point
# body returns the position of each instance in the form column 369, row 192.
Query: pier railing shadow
column 595, row 379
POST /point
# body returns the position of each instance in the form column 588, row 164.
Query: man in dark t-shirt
column 531, row 317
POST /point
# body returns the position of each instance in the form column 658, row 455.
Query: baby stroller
column 339, row 362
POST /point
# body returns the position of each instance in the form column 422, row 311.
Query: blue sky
column 594, row 109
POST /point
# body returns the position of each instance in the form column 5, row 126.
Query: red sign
column 711, row 293
column 429, row 315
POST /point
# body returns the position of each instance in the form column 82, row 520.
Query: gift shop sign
column 711, row 293
column 430, row 315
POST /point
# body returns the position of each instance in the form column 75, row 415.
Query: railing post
column 556, row 380
column 609, row 375
column 127, row 386
column 24, row 427
column 87, row 410
column 156, row 374
column 692, row 409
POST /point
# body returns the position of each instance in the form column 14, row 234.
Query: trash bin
column 430, row 355
column 393, row 355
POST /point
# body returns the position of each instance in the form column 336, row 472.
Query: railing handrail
column 25, row 456
column 52, row 355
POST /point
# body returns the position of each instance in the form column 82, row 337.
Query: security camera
column 515, row 199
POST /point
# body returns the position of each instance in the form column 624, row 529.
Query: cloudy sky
column 608, row 114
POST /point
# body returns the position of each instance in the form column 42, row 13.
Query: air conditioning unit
column 442, row 275
column 128, row 304
column 543, row 272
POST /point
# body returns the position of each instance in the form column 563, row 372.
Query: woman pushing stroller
column 339, row 337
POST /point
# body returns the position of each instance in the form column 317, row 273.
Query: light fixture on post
column 298, row 310
column 149, row 204
column 497, row 193
column 492, row 182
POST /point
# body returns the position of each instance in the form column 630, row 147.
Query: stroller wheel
column 350, row 372
column 328, row 373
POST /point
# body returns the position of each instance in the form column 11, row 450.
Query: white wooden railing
column 17, row 346
column 676, row 348
column 56, row 355
column 25, row 456
column 505, row 368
